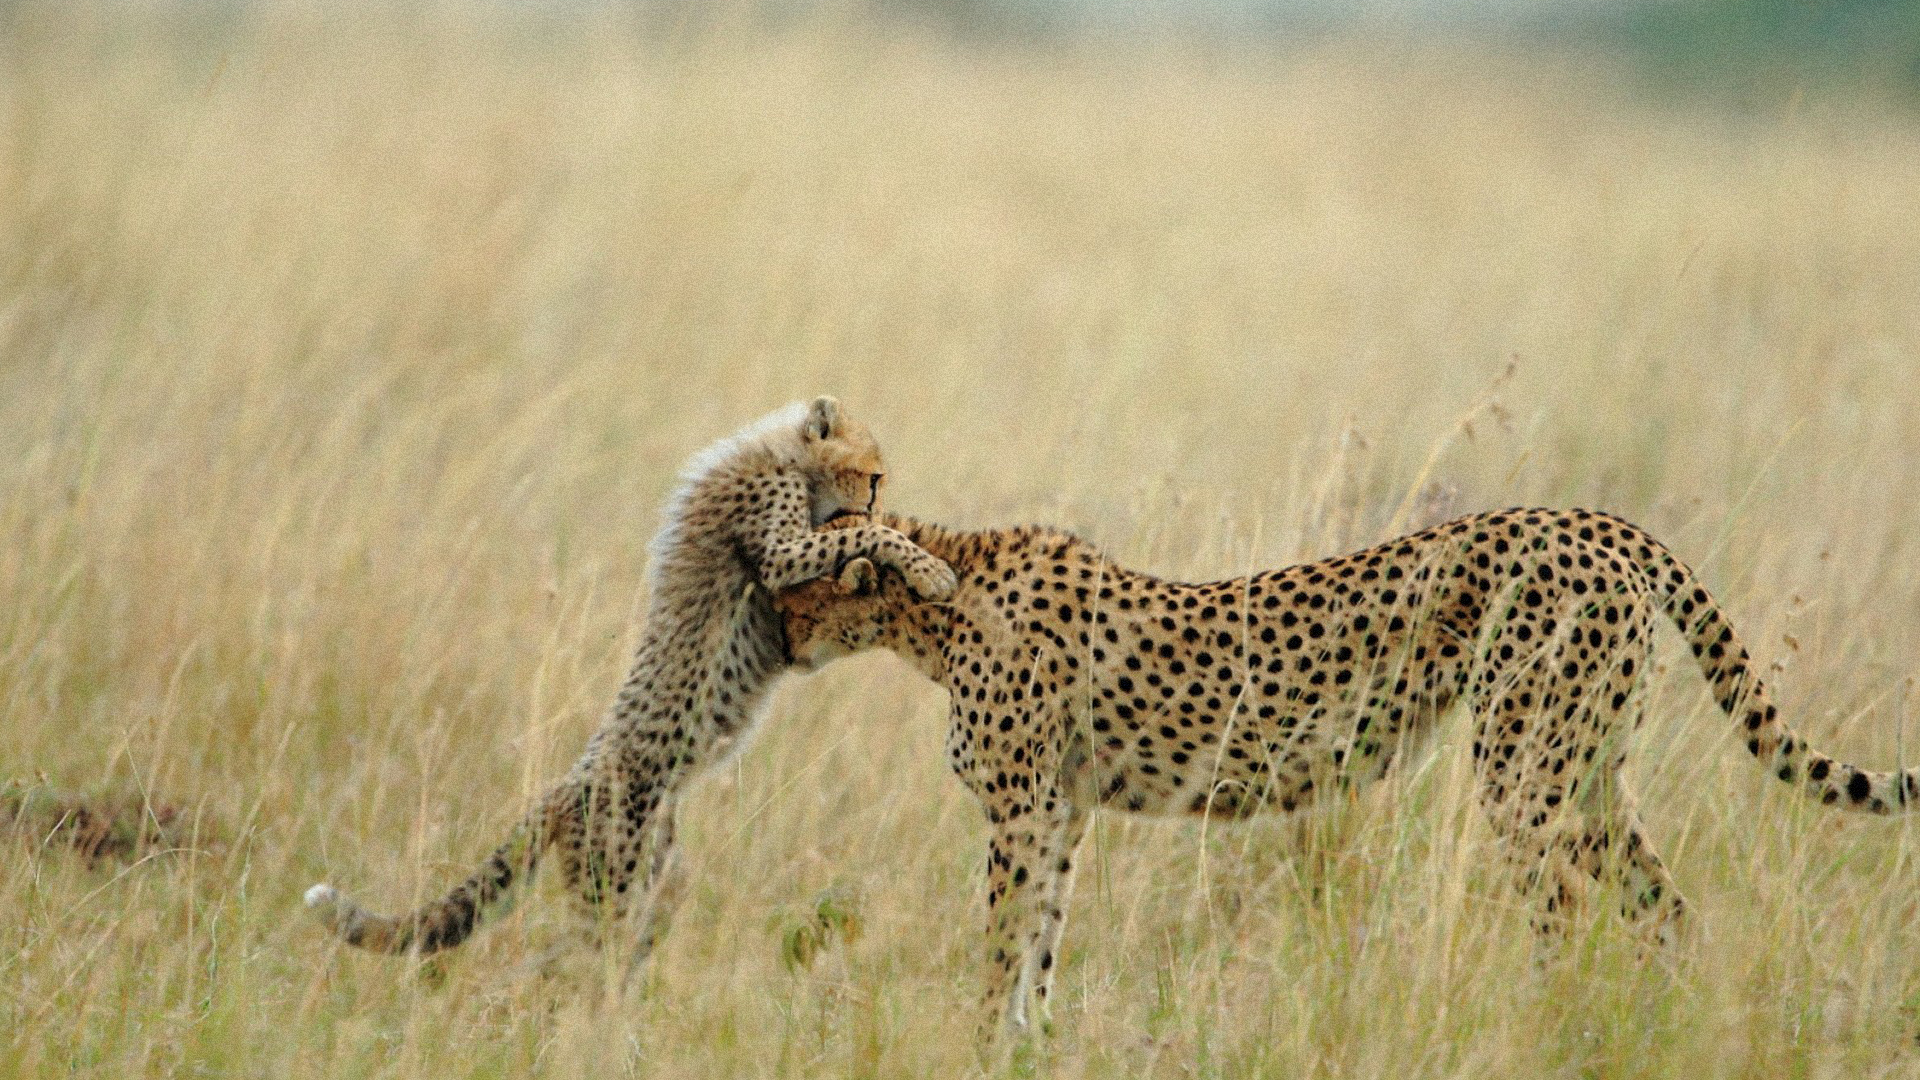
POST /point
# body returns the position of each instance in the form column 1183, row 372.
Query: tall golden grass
column 345, row 359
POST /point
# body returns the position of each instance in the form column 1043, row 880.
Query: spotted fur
column 747, row 519
column 1076, row 683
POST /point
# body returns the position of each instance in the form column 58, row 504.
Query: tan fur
column 745, row 521
column 1077, row 683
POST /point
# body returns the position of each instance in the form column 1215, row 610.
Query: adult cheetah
column 1078, row 683
column 745, row 520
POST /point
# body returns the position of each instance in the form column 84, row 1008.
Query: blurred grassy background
column 345, row 355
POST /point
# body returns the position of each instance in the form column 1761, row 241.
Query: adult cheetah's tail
column 1742, row 694
column 450, row 920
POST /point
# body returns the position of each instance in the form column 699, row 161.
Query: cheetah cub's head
column 842, row 461
column 841, row 614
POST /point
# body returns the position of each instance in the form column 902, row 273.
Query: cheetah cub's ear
column 859, row 577
column 823, row 418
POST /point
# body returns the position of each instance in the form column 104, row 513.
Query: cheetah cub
column 746, row 521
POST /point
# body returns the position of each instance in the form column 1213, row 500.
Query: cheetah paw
column 934, row 581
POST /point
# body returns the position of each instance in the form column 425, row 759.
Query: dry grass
column 342, row 367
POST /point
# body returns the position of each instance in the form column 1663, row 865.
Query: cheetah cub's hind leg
column 666, row 885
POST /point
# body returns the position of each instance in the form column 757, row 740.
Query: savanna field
column 344, row 364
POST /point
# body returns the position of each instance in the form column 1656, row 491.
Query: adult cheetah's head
column 842, row 460
column 834, row 616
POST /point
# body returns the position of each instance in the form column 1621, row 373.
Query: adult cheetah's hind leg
column 1607, row 847
column 1548, row 758
column 1649, row 898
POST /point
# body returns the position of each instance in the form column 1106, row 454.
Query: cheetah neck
column 988, row 563
column 921, row 635
column 940, row 638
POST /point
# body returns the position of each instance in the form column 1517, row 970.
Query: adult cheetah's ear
column 823, row 418
column 859, row 577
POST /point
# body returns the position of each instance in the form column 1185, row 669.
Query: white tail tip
column 324, row 901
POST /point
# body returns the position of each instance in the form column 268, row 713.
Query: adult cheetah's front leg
column 1028, row 863
column 1044, row 958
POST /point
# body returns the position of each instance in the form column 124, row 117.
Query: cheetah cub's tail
column 1742, row 695
column 450, row 920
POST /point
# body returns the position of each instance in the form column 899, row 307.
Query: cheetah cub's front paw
column 931, row 579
